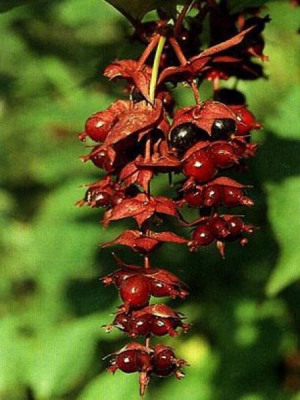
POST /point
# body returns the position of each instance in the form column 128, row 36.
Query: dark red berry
column 141, row 326
column 122, row 322
column 218, row 227
column 200, row 166
column 235, row 225
column 162, row 326
column 135, row 291
column 222, row 154
column 211, row 196
column 183, row 136
column 164, row 359
column 222, row 128
column 202, row 235
column 194, row 198
column 231, row 196
column 98, row 125
column 127, row 361
column 246, row 121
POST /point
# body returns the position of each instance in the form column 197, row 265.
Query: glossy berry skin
column 160, row 289
column 246, row 121
column 235, row 226
column 223, row 154
column 222, row 128
column 202, row 235
column 162, row 326
column 127, row 361
column 232, row 196
column 200, row 166
column 140, row 326
column 211, row 196
column 194, row 198
column 218, row 227
column 135, row 292
column 122, row 322
column 98, row 125
column 165, row 362
column 164, row 359
column 183, row 136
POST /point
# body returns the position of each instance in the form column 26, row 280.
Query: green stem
column 155, row 68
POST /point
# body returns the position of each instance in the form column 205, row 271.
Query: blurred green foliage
column 244, row 344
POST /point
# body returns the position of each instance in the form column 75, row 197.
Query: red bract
column 198, row 146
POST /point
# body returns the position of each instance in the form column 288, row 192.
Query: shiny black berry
column 222, row 128
column 185, row 135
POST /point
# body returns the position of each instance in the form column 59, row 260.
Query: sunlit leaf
column 284, row 217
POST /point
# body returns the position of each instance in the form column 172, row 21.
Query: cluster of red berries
column 134, row 140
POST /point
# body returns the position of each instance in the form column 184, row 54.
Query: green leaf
column 7, row 5
column 11, row 350
column 284, row 211
column 61, row 358
column 287, row 111
column 236, row 6
column 107, row 386
column 136, row 9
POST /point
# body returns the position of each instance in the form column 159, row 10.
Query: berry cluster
column 137, row 138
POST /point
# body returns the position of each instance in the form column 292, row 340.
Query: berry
column 122, row 322
column 200, row 166
column 183, row 136
column 135, row 292
column 127, row 361
column 162, row 326
column 211, row 196
column 231, row 196
column 218, row 227
column 222, row 154
column 141, row 326
column 235, row 226
column 202, row 235
column 246, row 121
column 194, row 198
column 222, row 128
column 98, row 125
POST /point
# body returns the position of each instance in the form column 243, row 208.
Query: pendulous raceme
column 200, row 146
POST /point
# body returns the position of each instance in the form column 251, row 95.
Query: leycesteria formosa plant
column 199, row 146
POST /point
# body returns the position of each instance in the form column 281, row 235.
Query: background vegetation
column 244, row 344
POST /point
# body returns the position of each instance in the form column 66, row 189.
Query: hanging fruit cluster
column 136, row 139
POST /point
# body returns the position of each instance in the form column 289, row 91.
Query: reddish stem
column 184, row 61
column 148, row 50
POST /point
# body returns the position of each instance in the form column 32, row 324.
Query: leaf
column 136, row 9
column 286, row 226
column 61, row 358
column 236, row 6
column 7, row 5
column 120, row 386
column 11, row 349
